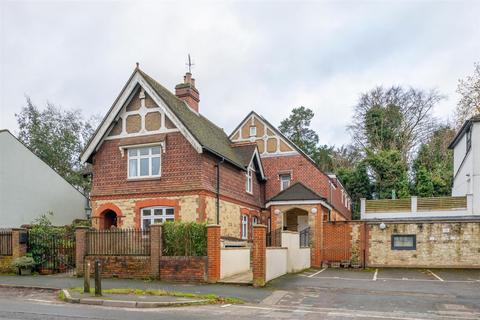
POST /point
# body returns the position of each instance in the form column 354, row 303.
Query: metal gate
column 53, row 253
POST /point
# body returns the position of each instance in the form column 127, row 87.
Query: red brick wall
column 181, row 168
column 213, row 252
column 338, row 242
column 184, row 269
column 232, row 182
column 259, row 255
column 301, row 170
column 127, row 267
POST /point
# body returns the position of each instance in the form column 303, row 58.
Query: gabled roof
column 210, row 137
column 462, row 130
column 249, row 152
column 297, row 192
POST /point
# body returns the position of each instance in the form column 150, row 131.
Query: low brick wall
column 439, row 244
column 5, row 264
column 126, row 267
column 184, row 269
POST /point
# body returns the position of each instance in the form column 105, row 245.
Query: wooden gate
column 53, row 253
column 344, row 243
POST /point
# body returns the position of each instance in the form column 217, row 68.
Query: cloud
column 265, row 56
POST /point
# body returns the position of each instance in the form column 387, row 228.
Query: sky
column 267, row 56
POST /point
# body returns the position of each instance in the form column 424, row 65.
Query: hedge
column 184, row 239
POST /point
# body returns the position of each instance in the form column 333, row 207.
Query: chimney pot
column 187, row 91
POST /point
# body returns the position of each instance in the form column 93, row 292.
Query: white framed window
column 249, row 180
column 244, row 226
column 284, row 181
column 254, row 220
column 253, row 131
column 151, row 215
column 144, row 162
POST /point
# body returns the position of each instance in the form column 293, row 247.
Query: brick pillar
column 259, row 255
column 155, row 249
column 19, row 249
column 80, row 248
column 316, row 228
column 213, row 252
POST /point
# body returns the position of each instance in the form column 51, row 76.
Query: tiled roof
column 297, row 192
column 245, row 152
column 211, row 137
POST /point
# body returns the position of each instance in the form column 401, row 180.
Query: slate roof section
column 245, row 152
column 211, row 137
column 297, row 192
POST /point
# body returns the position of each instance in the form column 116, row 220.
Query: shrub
column 23, row 263
column 184, row 239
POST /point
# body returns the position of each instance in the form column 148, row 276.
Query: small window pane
column 404, row 242
column 144, row 151
column 155, row 166
column 146, row 223
column 169, row 211
column 144, row 167
column 157, row 212
column 132, row 152
column 146, row 212
column 156, row 150
column 169, row 219
column 132, row 168
column 158, row 220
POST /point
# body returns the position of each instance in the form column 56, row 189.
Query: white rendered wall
column 298, row 258
column 234, row 261
column 276, row 263
column 30, row 188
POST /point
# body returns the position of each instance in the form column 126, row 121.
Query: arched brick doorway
column 106, row 216
column 109, row 219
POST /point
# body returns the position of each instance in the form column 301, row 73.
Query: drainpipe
column 217, row 166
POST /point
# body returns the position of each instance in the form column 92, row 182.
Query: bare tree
column 394, row 118
column 469, row 91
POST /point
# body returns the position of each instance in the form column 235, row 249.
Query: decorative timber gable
column 140, row 116
column 270, row 141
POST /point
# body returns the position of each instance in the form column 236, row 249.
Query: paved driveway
column 383, row 293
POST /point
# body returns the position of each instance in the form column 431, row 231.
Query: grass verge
column 210, row 298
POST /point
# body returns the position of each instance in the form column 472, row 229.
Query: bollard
column 98, row 281
column 86, row 277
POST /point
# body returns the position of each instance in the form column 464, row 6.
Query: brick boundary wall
column 213, row 252
column 124, row 267
column 259, row 255
column 154, row 265
column 18, row 250
column 183, row 269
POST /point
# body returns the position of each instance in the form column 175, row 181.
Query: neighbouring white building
column 30, row 188
column 465, row 200
column 466, row 161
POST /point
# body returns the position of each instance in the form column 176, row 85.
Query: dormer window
column 253, row 131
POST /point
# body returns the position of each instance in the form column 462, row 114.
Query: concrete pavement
column 244, row 292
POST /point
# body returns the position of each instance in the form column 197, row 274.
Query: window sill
column 144, row 179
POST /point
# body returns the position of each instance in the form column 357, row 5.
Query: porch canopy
column 293, row 206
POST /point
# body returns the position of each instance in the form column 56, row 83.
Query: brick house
column 155, row 158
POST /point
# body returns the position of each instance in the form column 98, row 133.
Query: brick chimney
column 187, row 91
